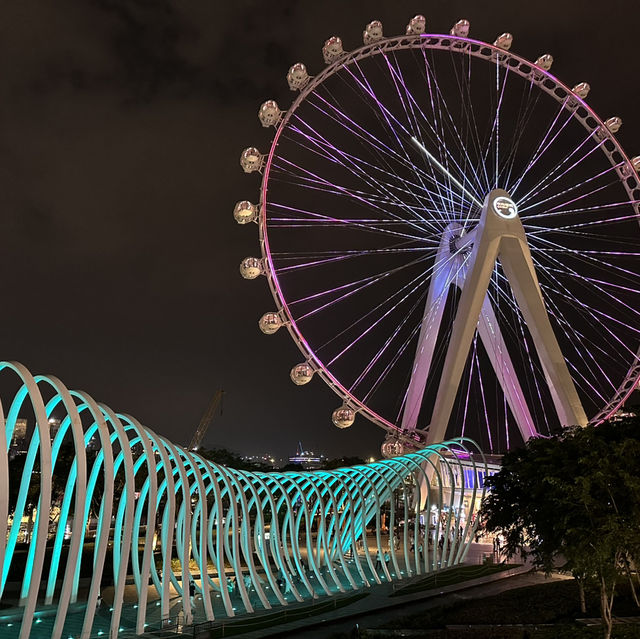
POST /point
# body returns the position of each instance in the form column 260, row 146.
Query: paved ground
column 45, row 615
column 375, row 610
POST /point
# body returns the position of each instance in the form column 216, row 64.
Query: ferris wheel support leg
column 518, row 267
column 500, row 235
column 491, row 336
column 474, row 290
column 444, row 270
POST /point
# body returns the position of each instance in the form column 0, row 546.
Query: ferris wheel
column 450, row 235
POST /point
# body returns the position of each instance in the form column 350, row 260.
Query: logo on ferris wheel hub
column 505, row 207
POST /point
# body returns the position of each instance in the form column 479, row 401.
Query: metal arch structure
column 538, row 76
column 160, row 503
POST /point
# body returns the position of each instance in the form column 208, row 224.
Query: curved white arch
column 205, row 513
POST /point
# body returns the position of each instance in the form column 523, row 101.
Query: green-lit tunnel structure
column 105, row 491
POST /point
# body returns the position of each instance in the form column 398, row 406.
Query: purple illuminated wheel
column 371, row 202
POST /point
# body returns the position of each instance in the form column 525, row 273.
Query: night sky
column 122, row 126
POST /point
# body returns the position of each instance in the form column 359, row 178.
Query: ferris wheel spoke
column 355, row 167
column 526, row 110
column 378, row 201
column 398, row 352
column 579, row 197
column 407, row 104
column 415, row 130
column 591, row 282
column 595, row 315
column 385, row 153
column 470, row 123
column 571, row 189
column 412, row 106
column 417, row 282
column 375, row 175
column 581, row 344
column 581, row 348
column 545, row 143
column 613, row 296
column 366, row 319
column 474, row 352
column 484, row 402
column 497, row 295
column 586, row 350
column 496, row 123
column 357, row 162
column 584, row 209
column 363, row 284
column 369, row 225
column 582, row 196
column 581, row 341
column 336, row 289
column 622, row 272
column 341, row 190
column 600, row 223
column 537, row 406
column 388, row 118
column 553, row 176
column 328, row 258
column 438, row 100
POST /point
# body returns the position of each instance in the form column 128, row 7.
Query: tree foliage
column 573, row 500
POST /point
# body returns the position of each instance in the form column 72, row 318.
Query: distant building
column 307, row 459
column 475, row 470
column 54, row 427
column 265, row 459
column 19, row 439
column 623, row 413
column 94, row 443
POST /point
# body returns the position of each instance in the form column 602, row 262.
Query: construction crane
column 201, row 431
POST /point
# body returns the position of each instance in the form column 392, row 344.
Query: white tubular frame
column 207, row 514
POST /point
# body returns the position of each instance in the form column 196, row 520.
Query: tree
column 575, row 498
column 343, row 462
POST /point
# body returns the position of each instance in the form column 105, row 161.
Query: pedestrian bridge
column 103, row 502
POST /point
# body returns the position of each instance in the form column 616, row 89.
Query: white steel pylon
column 499, row 235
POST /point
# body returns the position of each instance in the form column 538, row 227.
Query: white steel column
column 443, row 273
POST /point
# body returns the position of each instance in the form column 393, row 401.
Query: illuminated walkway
column 165, row 515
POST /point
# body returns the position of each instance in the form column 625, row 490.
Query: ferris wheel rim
column 538, row 76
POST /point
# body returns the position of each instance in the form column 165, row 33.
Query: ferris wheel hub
column 504, row 207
